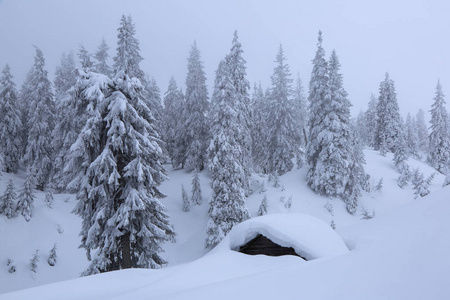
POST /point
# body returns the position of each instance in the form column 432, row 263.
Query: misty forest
column 103, row 133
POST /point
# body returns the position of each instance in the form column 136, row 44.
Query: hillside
column 401, row 253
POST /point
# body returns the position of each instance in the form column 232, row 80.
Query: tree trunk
column 126, row 251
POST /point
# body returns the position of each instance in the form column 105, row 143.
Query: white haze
column 408, row 39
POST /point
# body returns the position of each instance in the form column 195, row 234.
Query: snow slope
column 400, row 254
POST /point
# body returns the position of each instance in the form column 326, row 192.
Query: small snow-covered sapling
column 288, row 203
column 333, row 225
column 60, row 229
column 11, row 266
column 379, row 186
column 33, row 261
column 329, row 207
column 366, row 215
column 52, row 256
column 263, row 207
column 185, row 198
column 276, row 180
column 49, row 199
column 196, row 190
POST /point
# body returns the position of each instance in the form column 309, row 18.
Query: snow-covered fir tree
column 420, row 184
column 10, row 123
column 90, row 88
column 171, row 123
column 185, row 200
column 152, row 98
column 329, row 172
column 25, row 203
column 85, row 59
column 401, row 149
column 422, row 131
column 128, row 55
column 227, row 205
column 196, row 190
column 262, row 210
column 283, row 138
column 102, row 56
column 360, row 127
column 65, row 79
column 259, row 129
column 439, row 138
column 7, row 201
column 388, row 117
column 411, row 136
column 123, row 220
column 195, row 127
column 319, row 90
column 49, row 199
column 405, row 176
column 52, row 257
column 41, row 121
column 25, row 94
column 356, row 175
column 301, row 110
column 33, row 261
column 118, row 199
column 235, row 64
column 371, row 121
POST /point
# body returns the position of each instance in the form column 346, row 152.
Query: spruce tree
column 123, row 220
column 301, row 110
column 101, row 56
column 195, row 127
column 262, row 210
column 10, row 123
column 259, row 129
column 41, row 121
column 85, row 59
column 171, row 122
column 330, row 170
column 7, row 201
column 422, row 131
column 33, row 261
column 401, row 150
column 152, row 98
column 52, row 257
column 25, row 203
column 356, row 177
column 89, row 89
column 371, row 121
column 49, row 199
column 411, row 136
column 196, row 190
column 128, row 55
column 283, row 138
column 388, row 117
column 185, row 199
column 237, row 70
column 65, row 79
column 319, row 90
column 439, row 138
column 227, row 205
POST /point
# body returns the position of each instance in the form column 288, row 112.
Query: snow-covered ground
column 402, row 253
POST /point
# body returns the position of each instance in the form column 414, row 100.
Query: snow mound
column 310, row 237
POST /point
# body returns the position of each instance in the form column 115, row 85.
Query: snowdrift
column 401, row 255
column 310, row 237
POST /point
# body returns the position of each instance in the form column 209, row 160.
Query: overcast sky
column 408, row 39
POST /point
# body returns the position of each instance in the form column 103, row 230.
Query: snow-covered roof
column 310, row 237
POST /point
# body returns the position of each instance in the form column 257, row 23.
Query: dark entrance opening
column 262, row 245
